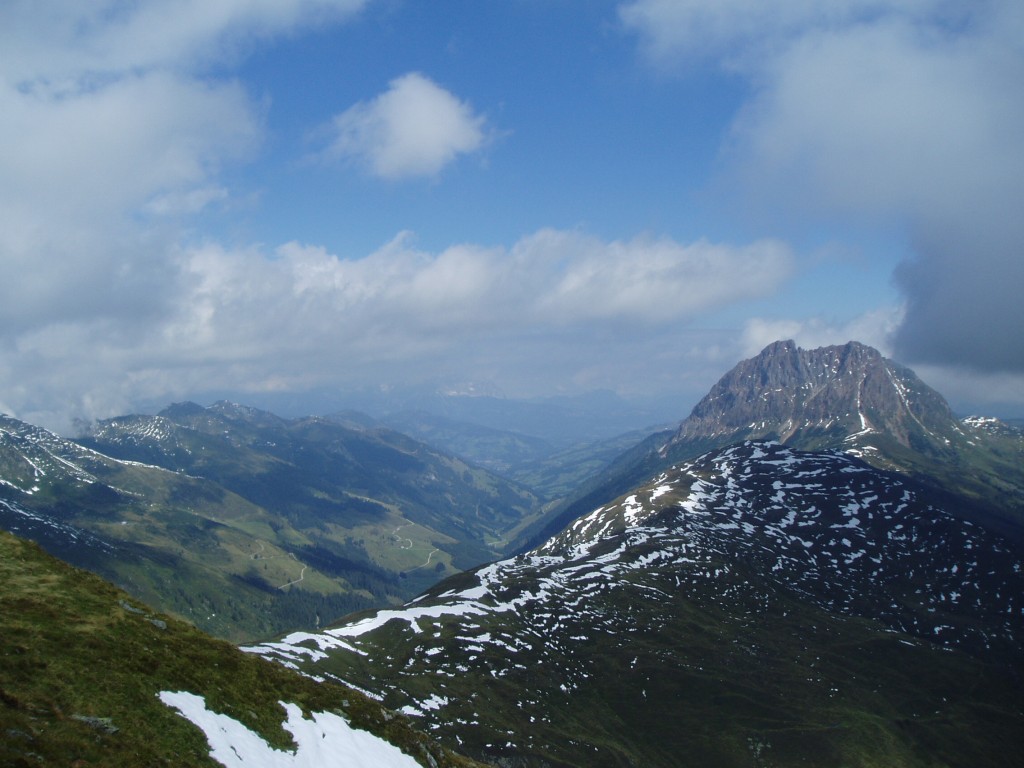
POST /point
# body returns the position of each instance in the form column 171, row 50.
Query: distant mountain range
column 821, row 565
column 756, row 604
column 550, row 468
column 248, row 524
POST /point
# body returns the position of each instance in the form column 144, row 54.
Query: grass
column 81, row 664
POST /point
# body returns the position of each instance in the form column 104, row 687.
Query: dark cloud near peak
column 964, row 299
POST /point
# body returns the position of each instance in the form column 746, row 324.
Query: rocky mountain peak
column 787, row 393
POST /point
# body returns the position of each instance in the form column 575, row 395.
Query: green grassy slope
column 81, row 664
column 249, row 525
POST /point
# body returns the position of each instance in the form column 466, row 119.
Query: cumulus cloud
column 105, row 122
column 412, row 304
column 905, row 114
column 741, row 33
column 554, row 308
column 415, row 128
column 110, row 127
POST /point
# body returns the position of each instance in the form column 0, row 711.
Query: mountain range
column 807, row 589
column 821, row 565
column 248, row 524
column 844, row 398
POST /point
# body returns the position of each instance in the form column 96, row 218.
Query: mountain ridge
column 249, row 524
column 844, row 397
column 778, row 606
column 786, row 389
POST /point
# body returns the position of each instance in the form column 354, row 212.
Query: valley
column 820, row 565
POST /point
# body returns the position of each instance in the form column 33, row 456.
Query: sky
column 280, row 197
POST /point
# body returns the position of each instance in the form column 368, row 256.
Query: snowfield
column 325, row 740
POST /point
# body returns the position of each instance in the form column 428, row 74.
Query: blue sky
column 253, row 197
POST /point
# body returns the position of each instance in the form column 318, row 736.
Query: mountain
column 500, row 450
column 848, row 398
column 559, row 474
column 90, row 676
column 560, row 421
column 316, row 471
column 248, row 524
column 851, row 398
column 755, row 606
column 814, row 397
column 178, row 542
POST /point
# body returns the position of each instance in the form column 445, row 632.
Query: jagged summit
column 815, row 397
column 846, row 398
column 850, row 398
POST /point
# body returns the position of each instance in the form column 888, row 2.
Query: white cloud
column 64, row 41
column 77, row 168
column 874, row 328
column 415, row 128
column 111, row 128
column 190, row 201
column 883, row 118
column 904, row 115
column 742, row 32
column 108, row 149
column 652, row 279
column 554, row 309
column 106, row 125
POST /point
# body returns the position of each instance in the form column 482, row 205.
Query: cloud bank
column 300, row 317
column 908, row 115
column 119, row 122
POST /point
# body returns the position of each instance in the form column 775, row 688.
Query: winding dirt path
column 259, row 556
column 425, row 564
column 302, row 575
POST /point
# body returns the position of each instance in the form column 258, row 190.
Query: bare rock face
column 791, row 394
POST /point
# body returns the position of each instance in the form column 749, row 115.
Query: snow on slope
column 325, row 740
column 821, row 527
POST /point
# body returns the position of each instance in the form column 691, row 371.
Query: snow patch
column 326, row 739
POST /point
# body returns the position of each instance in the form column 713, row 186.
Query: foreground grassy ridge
column 81, row 665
